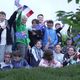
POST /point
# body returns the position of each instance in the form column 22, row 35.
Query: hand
column 19, row 9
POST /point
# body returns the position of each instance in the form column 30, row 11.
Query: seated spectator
column 70, row 57
column 7, row 62
column 69, row 43
column 37, row 54
column 57, row 53
column 18, row 61
column 78, row 56
column 49, row 61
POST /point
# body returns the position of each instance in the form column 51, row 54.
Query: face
column 7, row 58
column 50, row 25
column 34, row 23
column 38, row 44
column 16, row 58
column 2, row 17
column 24, row 19
column 40, row 18
column 69, row 42
column 58, row 49
column 71, row 51
column 58, row 26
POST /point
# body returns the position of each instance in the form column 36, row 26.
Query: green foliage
column 70, row 18
column 76, row 1
column 67, row 73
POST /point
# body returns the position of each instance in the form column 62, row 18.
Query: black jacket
column 8, row 28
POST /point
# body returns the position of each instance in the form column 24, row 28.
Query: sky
column 46, row 7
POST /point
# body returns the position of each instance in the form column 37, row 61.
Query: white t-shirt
column 59, row 57
column 3, row 34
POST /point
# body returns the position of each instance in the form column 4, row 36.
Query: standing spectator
column 5, row 33
column 58, row 29
column 36, row 33
column 22, row 38
column 50, row 38
column 40, row 17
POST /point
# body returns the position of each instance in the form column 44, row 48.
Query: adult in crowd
column 5, row 33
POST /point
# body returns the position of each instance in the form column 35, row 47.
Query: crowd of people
column 37, row 46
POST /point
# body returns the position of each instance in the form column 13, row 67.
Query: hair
column 57, row 24
column 8, row 53
column 48, row 54
column 50, row 21
column 71, row 40
column 17, row 53
column 36, row 41
column 79, row 50
column 40, row 15
column 57, row 44
column 36, row 20
column 3, row 13
column 72, row 47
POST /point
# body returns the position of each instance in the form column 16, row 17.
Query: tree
column 72, row 19
column 76, row 1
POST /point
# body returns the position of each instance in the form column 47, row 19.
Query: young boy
column 6, row 64
column 18, row 61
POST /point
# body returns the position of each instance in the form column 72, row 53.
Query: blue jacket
column 50, row 32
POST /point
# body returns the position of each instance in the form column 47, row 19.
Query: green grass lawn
column 66, row 73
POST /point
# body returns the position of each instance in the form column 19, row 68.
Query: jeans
column 4, row 49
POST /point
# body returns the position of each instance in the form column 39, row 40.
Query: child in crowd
column 37, row 53
column 22, row 38
column 7, row 62
column 50, row 38
column 48, row 61
column 36, row 33
column 70, row 57
column 18, row 61
column 57, row 53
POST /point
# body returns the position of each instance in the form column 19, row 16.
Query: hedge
column 66, row 73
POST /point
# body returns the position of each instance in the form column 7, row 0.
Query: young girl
column 70, row 57
column 57, row 53
column 48, row 61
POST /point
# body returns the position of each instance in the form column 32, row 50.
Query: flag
column 27, row 11
column 20, row 35
column 17, row 3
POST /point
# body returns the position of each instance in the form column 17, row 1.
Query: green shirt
column 21, row 32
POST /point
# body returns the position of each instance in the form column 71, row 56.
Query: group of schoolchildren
column 39, row 45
